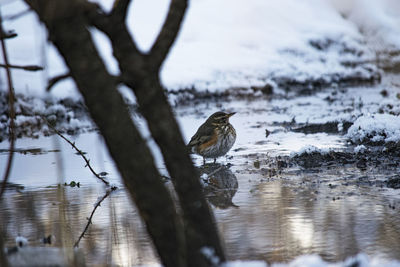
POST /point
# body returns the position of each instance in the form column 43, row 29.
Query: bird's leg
column 204, row 161
column 215, row 159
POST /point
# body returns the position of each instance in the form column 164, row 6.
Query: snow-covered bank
column 223, row 44
column 67, row 115
column 376, row 128
column 226, row 44
column 378, row 20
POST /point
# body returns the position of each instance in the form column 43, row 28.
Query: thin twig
column 77, row 149
column 57, row 79
column 27, row 67
column 7, row 35
column 53, row 81
column 91, row 215
column 11, row 96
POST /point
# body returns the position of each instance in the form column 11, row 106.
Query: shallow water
column 272, row 216
column 269, row 219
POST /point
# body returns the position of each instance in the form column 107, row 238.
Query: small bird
column 214, row 138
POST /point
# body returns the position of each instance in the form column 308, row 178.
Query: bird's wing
column 203, row 135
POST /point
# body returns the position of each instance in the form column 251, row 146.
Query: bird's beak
column 231, row 114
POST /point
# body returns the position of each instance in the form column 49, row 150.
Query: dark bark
column 67, row 30
column 140, row 72
column 168, row 33
column 200, row 226
column 3, row 259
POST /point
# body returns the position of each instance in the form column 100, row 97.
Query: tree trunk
column 200, row 227
column 67, row 23
column 134, row 161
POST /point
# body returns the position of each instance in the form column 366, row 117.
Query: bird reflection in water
column 220, row 184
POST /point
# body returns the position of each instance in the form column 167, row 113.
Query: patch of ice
column 375, row 128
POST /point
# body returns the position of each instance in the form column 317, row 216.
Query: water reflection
column 284, row 221
column 273, row 220
column 220, row 185
column 116, row 235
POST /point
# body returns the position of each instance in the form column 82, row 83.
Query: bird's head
column 220, row 118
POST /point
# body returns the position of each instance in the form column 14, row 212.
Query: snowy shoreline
column 284, row 44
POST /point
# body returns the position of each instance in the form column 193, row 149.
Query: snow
column 209, row 253
column 243, row 43
column 382, row 28
column 309, row 149
column 222, row 44
column 21, row 241
column 375, row 128
column 360, row 149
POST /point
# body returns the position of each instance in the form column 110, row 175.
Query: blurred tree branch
column 67, row 23
column 168, row 33
column 120, row 9
column 53, row 81
column 27, row 67
column 7, row 35
column 57, row 79
column 11, row 95
column 11, row 126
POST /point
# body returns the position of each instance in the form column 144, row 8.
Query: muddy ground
column 71, row 117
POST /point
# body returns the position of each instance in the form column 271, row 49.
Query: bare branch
column 91, row 215
column 56, row 79
column 169, row 31
column 97, row 17
column 120, row 9
column 116, row 30
column 11, row 99
column 7, row 35
column 77, row 150
column 53, row 81
column 27, row 67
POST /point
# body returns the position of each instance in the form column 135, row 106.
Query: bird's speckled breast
column 226, row 139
